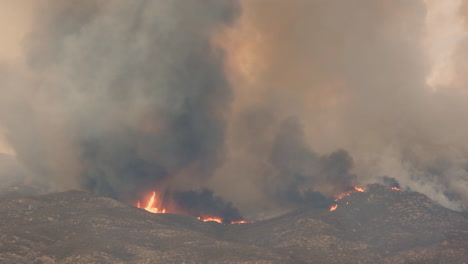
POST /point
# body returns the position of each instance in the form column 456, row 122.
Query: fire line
column 345, row 194
column 154, row 205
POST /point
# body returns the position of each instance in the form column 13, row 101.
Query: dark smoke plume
column 302, row 172
column 390, row 182
column 128, row 94
column 204, row 204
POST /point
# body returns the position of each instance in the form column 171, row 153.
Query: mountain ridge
column 377, row 226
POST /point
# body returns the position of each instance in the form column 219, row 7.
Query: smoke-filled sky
column 269, row 104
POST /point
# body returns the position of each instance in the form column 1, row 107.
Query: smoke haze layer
column 269, row 104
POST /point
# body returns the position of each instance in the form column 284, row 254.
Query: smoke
column 355, row 74
column 390, row 182
column 204, row 204
column 270, row 106
column 121, row 95
column 301, row 171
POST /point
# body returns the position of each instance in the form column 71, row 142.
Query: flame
column 359, row 189
column 151, row 205
column 154, row 204
column 342, row 195
column 241, row 222
column 219, row 220
column 396, row 189
column 211, row 219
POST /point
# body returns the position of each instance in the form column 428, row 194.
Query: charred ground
column 378, row 226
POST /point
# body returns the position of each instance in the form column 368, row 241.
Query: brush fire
column 154, row 204
column 345, row 194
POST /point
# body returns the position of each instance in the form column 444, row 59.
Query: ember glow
column 333, row 208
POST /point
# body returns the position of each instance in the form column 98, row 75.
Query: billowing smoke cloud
column 121, row 95
column 273, row 105
column 355, row 74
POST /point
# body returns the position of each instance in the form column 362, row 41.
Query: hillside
column 378, row 226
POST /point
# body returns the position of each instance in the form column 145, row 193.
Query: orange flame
column 359, row 189
column 211, row 219
column 342, row 195
column 154, row 204
column 396, row 189
column 241, row 222
column 151, row 205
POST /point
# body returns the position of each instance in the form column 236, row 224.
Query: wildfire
column 241, row 222
column 359, row 189
column 219, row 220
column 154, row 204
column 396, row 189
column 211, row 219
column 342, row 195
column 151, row 205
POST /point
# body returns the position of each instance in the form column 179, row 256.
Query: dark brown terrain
column 378, row 226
